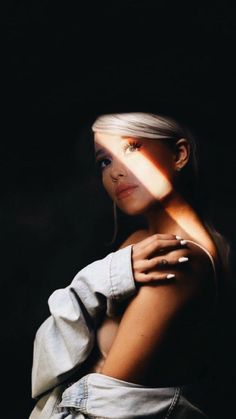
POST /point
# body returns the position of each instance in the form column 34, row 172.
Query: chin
column 137, row 208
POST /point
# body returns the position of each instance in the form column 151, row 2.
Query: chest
column 106, row 334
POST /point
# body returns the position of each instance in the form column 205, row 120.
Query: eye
column 131, row 147
column 103, row 163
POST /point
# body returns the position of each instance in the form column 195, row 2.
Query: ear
column 182, row 153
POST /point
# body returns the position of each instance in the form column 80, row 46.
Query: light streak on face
column 149, row 164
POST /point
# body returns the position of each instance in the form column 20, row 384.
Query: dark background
column 63, row 65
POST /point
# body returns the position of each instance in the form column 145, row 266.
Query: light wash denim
column 99, row 396
column 65, row 340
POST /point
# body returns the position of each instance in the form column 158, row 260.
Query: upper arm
column 148, row 321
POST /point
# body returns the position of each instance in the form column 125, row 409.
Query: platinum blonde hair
column 138, row 124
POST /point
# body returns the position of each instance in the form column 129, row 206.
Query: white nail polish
column 183, row 242
column 183, row 259
column 170, row 276
column 178, row 237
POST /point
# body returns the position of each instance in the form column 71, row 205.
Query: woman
column 137, row 351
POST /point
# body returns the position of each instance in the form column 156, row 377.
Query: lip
column 124, row 189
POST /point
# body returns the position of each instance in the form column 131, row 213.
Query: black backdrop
column 63, row 65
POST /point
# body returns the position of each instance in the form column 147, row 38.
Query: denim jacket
column 65, row 340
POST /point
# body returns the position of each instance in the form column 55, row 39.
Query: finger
column 159, row 262
column 161, row 246
column 143, row 243
column 155, row 276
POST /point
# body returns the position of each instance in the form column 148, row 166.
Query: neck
column 176, row 216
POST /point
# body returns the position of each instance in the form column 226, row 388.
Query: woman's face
column 136, row 173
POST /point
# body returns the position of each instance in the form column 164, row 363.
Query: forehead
column 109, row 140
column 105, row 139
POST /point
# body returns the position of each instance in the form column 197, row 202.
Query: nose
column 117, row 170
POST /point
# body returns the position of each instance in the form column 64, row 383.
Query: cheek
column 153, row 179
column 107, row 185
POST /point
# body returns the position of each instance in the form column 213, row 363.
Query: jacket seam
column 174, row 402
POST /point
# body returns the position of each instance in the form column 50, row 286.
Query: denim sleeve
column 66, row 338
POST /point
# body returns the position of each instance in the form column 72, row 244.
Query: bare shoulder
column 190, row 293
column 193, row 282
column 135, row 237
column 199, row 279
column 204, row 257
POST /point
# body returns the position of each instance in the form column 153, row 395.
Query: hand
column 158, row 257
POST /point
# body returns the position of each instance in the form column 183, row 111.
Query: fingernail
column 183, row 242
column 183, row 259
column 178, row 237
column 170, row 276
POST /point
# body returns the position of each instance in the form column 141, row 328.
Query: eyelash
column 134, row 144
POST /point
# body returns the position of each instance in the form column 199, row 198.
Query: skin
column 153, row 320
